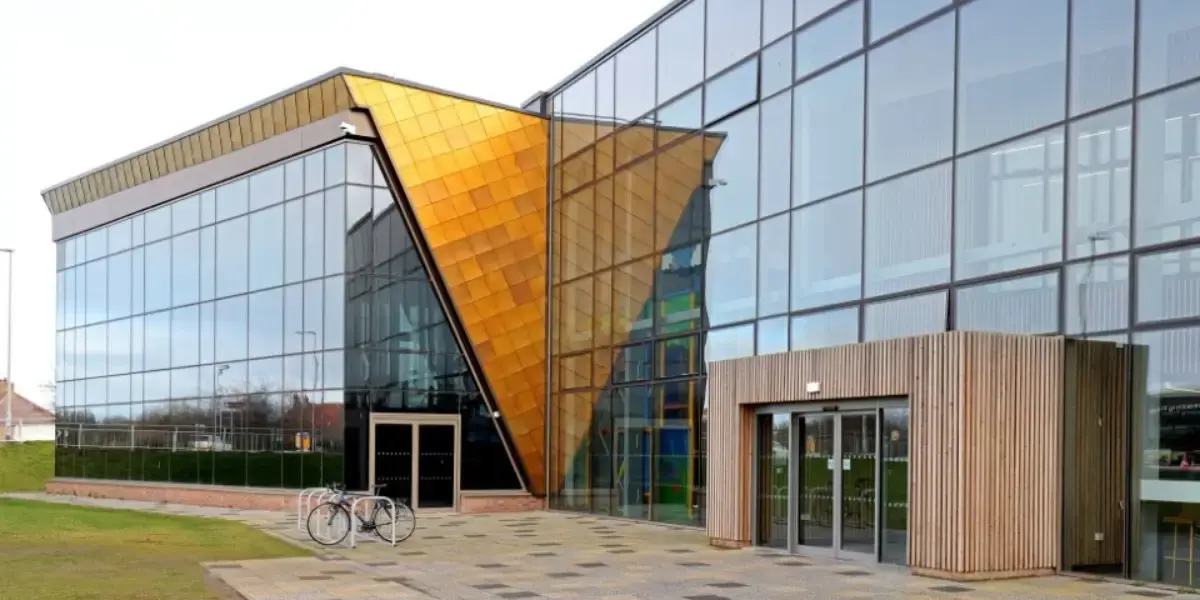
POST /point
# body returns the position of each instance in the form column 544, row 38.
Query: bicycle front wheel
column 403, row 517
column 329, row 524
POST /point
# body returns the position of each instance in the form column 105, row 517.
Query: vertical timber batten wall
column 986, row 449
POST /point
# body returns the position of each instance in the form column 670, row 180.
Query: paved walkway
column 556, row 555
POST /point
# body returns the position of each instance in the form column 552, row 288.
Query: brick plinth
column 197, row 495
column 498, row 502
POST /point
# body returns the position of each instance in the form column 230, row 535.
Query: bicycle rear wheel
column 403, row 517
column 328, row 523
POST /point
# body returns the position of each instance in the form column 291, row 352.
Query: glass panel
column 335, row 312
column 827, row 252
column 675, row 467
column 773, row 236
column 733, row 31
column 120, row 352
column 1167, row 285
column 908, row 232
column 208, row 208
column 827, row 134
column 335, row 165
column 207, row 332
column 731, row 342
column 231, row 327
column 777, row 19
column 914, row 315
column 120, row 237
column 631, row 450
column 859, row 452
column 266, row 248
column 158, row 270
column 1101, row 53
column 120, row 285
column 772, row 455
column 266, row 188
column 635, row 78
column 1167, row 204
column 96, row 243
column 731, row 91
column 825, row 329
column 1008, row 207
column 233, row 199
column 185, row 336
column 232, row 262
column 772, row 336
column 97, row 350
column 293, row 178
column 889, row 15
column 1098, row 295
column 314, row 172
column 435, row 466
column 807, row 10
column 911, row 92
column 729, row 285
column 1024, row 305
column 678, row 356
column 208, row 263
column 335, row 226
column 266, row 323
column 314, row 235
column 185, row 269
column 293, row 241
column 835, row 36
column 393, row 459
column 775, row 158
column 1009, row 84
column 684, row 113
column 681, row 50
column 359, row 163
column 679, row 285
column 633, row 363
column 733, row 188
column 894, row 454
column 1098, row 197
column 1167, row 43
column 157, row 350
column 815, row 446
column 185, row 214
column 96, row 307
column 777, row 67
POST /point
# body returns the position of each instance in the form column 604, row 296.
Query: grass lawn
column 25, row 467
column 63, row 552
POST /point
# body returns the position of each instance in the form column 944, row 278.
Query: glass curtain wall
column 241, row 335
column 866, row 169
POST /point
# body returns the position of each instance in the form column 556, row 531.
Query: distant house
column 30, row 422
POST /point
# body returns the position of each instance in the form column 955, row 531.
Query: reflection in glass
column 266, row 323
column 773, row 242
column 1098, row 295
column 293, row 178
column 335, row 227
column 158, row 223
column 314, row 235
column 631, row 449
column 733, row 28
column 120, row 350
column 335, row 165
column 1012, row 68
column 775, row 157
column 208, row 263
column 733, row 196
column 185, row 268
column 1008, row 206
column 231, row 329
column 731, row 342
column 635, row 78
column 827, row 133
column 835, row 36
column 185, row 214
column 889, row 15
column 772, row 336
column 1166, row 43
column 120, row 285
column 1098, row 197
column 1101, row 53
column 772, row 465
column 859, row 452
column 633, row 363
column 233, row 199
column 894, row 474
column 1167, row 285
column 903, row 317
column 908, row 232
column 678, row 288
column 825, row 329
column 776, row 67
column 731, row 91
column 1022, row 305
column 676, row 465
column 730, row 286
column 96, row 306
column 232, row 248
column 185, row 336
column 314, row 172
column 96, row 350
column 266, row 188
column 1167, row 202
column 158, row 274
column 911, row 92
column 157, row 345
column 683, row 113
column 680, row 50
column 678, row 357
column 827, row 252
column 120, row 237
column 777, row 19
column 266, row 248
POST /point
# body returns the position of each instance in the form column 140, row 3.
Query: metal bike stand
column 304, row 505
column 370, row 500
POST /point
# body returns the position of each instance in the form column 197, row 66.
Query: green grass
column 25, row 467
column 65, row 552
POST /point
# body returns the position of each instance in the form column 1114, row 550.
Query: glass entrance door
column 859, row 450
column 416, row 456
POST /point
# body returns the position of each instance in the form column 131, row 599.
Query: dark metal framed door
column 417, row 456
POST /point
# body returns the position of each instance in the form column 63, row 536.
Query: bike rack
column 305, row 504
column 370, row 500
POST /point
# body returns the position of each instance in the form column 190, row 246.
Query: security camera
column 347, row 128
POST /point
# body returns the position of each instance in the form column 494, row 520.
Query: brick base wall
column 197, row 495
column 498, row 502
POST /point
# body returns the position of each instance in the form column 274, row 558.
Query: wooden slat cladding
column 1094, row 470
column 985, row 427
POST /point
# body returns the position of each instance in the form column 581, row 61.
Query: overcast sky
column 85, row 82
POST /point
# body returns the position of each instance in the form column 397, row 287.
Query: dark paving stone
column 706, row 597
column 614, row 545
column 474, row 535
column 680, row 551
column 491, row 566
column 413, row 553
column 591, row 565
column 611, row 537
column 391, row 579
column 563, row 575
column 338, row 572
column 490, row 586
column 225, row 566
column 515, row 595
column 727, row 585
column 853, row 573
column 333, row 557
column 1148, row 594
column 621, row 551
column 694, row 564
column 434, row 537
column 951, row 589
column 793, row 563
column 315, row 578
column 522, row 531
column 526, row 535
column 547, row 544
column 542, row 554
column 390, row 563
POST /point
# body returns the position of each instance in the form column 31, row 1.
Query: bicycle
column 332, row 520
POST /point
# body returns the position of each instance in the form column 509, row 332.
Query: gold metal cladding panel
column 218, row 139
column 475, row 176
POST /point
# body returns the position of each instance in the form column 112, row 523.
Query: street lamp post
column 8, row 352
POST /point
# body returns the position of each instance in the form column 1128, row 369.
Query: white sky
column 83, row 82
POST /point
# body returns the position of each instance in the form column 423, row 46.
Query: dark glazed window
column 889, row 15
column 835, row 36
column 827, row 125
column 825, row 329
column 773, row 236
column 911, row 92
column 1168, row 43
column 908, row 232
column 1008, row 206
column 1167, row 284
column 1098, row 197
column 914, row 315
column 681, row 50
column 635, row 78
column 733, row 197
column 1167, row 202
column 1012, row 68
column 1097, row 295
column 729, row 289
column 1023, row 305
column 733, row 32
column 827, row 252
column 1101, row 53
column 775, row 158
column 731, row 91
